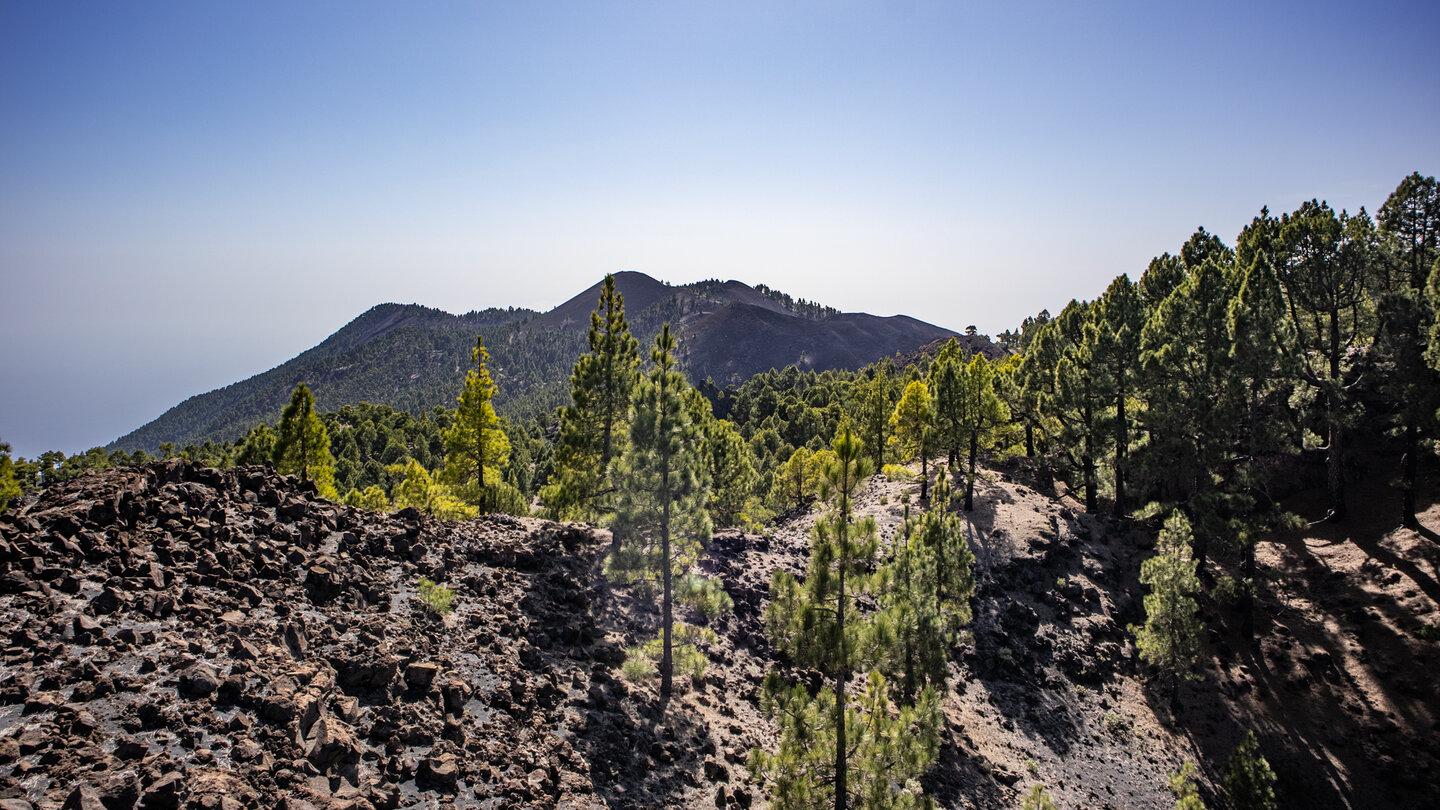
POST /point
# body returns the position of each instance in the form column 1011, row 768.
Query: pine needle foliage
column 834, row 752
column 1187, row 793
column 593, row 427
column 303, row 446
column 1038, row 799
column 1170, row 637
column 416, row 488
column 662, row 487
column 1249, row 782
column 912, row 425
column 474, row 442
column 888, row 748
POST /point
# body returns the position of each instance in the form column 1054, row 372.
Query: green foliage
column 1249, row 782
column 474, row 442
column 1170, row 637
column 897, row 473
column 9, row 485
column 302, row 445
column 820, row 623
column 706, row 596
column 436, row 598
column 979, row 416
column 733, row 477
column 688, row 657
column 258, row 446
column 913, row 425
column 637, row 666
column 889, row 748
column 796, row 479
column 1037, row 799
column 372, row 498
column 416, row 488
column 593, row 427
column 660, row 519
column 1187, row 793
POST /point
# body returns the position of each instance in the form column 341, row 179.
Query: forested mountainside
column 413, row 358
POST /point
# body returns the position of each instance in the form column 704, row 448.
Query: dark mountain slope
column 639, row 290
column 396, row 354
column 741, row 340
column 414, row 358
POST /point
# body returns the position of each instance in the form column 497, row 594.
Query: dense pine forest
column 1190, row 402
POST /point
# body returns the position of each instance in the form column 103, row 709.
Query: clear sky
column 192, row 193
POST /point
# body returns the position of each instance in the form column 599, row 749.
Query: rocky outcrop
column 188, row 637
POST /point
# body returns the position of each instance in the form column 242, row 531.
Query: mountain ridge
column 414, row 358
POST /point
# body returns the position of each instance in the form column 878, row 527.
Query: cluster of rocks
column 189, row 637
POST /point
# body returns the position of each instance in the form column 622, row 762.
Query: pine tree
column 796, row 479
column 1182, row 784
column 1324, row 267
column 474, row 442
column 1410, row 221
column 732, row 471
column 1190, row 419
column 660, row 518
column 258, row 446
column 1170, row 637
column 1037, row 799
column 948, row 394
column 593, row 427
column 909, row 633
column 1263, row 371
column 874, row 411
column 819, row 623
column 303, row 445
column 1073, row 398
column 980, row 414
column 415, row 488
column 9, row 486
column 1116, row 339
column 889, row 748
column 913, row 425
column 1249, row 782
column 924, row 591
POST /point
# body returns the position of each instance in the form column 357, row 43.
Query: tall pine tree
column 662, row 486
column 593, row 427
column 303, row 445
column 1170, row 637
column 913, row 426
column 824, row 739
column 474, row 442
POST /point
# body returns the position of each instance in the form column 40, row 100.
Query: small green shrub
column 637, row 666
column 1031, row 766
column 706, row 596
column 1115, row 723
column 895, row 472
column 437, row 598
column 1428, row 632
column 687, row 658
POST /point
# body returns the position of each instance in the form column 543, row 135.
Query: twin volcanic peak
column 414, row 358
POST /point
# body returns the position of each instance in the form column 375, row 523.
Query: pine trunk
column 924, row 475
column 1336, row 459
column 842, row 670
column 1409, row 475
column 970, row 479
column 1122, row 443
column 1091, row 489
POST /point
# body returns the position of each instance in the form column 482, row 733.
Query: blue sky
column 192, row 193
